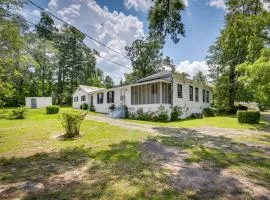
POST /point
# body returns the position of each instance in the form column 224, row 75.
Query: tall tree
column 146, row 58
column 45, row 30
column 108, row 82
column 164, row 19
column 200, row 77
column 241, row 39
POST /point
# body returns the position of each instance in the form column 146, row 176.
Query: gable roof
column 89, row 89
column 160, row 75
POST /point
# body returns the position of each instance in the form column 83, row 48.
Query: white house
column 38, row 102
column 163, row 88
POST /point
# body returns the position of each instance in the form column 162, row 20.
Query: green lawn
column 109, row 162
column 219, row 122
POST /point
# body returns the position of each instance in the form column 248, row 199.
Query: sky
column 117, row 23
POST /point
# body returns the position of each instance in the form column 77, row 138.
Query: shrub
column 92, row 108
column 71, row 121
column 52, row 109
column 251, row 117
column 176, row 113
column 209, row 112
column 242, row 107
column 112, row 107
column 85, row 106
column 18, row 113
column 162, row 115
column 232, row 110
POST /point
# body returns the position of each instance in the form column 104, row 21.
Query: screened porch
column 151, row 93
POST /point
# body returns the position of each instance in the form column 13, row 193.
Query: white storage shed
column 38, row 102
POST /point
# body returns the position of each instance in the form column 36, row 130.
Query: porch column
column 160, row 95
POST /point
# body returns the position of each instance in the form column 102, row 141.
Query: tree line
column 43, row 60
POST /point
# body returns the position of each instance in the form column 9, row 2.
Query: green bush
column 85, row 106
column 176, row 113
column 162, row 115
column 71, row 121
column 210, row 112
column 52, row 109
column 92, row 108
column 112, row 107
column 251, row 117
column 18, row 113
column 242, row 107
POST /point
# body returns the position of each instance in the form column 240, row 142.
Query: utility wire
column 97, row 41
column 97, row 53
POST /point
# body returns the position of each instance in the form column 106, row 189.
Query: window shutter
column 108, row 95
column 112, row 96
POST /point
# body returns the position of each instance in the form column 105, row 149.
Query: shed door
column 33, row 103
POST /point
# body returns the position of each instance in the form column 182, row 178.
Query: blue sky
column 117, row 23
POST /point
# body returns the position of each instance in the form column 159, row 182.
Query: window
column 207, row 96
column 75, row 99
column 203, row 94
column 83, row 98
column 150, row 93
column 180, row 90
column 110, row 97
column 191, row 93
column 166, row 93
column 100, row 98
column 197, row 94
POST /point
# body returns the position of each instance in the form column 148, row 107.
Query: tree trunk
column 232, row 89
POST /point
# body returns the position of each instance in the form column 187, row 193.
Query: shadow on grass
column 126, row 171
column 117, row 173
column 40, row 166
column 219, row 152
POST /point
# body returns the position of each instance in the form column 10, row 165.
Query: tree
column 108, row 82
column 146, row 58
column 164, row 19
column 200, row 77
column 256, row 76
column 45, row 31
column 242, row 38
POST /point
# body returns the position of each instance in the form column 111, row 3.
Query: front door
column 33, row 103
column 123, row 96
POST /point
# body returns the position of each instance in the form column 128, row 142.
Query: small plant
column 71, row 121
column 251, row 117
column 176, row 113
column 210, row 112
column 112, row 107
column 52, row 109
column 126, row 112
column 85, row 106
column 92, row 108
column 18, row 113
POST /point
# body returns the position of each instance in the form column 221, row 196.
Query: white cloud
column 192, row 67
column 112, row 28
column 52, row 4
column 217, row 4
column 143, row 5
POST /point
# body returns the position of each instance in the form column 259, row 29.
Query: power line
column 31, row 2
column 95, row 51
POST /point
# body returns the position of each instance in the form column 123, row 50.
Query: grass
column 219, row 122
column 109, row 162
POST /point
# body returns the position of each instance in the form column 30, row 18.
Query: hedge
column 210, row 112
column 52, row 109
column 251, row 117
